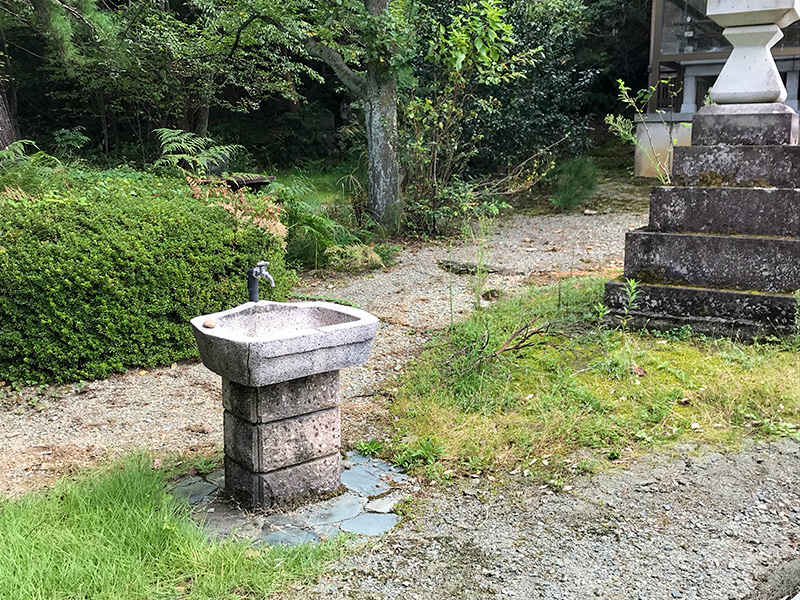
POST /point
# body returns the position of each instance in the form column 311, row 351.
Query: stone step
column 767, row 264
column 765, row 124
column 726, row 210
column 742, row 166
column 743, row 315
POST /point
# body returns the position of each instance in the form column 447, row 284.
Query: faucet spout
column 260, row 270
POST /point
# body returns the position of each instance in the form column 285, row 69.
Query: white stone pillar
column 753, row 27
column 750, row 75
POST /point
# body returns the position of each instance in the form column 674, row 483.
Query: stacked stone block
column 282, row 440
column 722, row 249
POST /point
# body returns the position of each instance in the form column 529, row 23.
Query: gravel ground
column 691, row 524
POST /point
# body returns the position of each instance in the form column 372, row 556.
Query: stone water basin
column 261, row 343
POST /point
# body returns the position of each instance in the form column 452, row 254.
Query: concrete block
column 737, row 166
column 270, row 446
column 710, row 311
column 716, row 261
column 281, row 400
column 264, row 490
column 769, row 124
column 743, row 211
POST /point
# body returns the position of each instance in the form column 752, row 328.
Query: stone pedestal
column 722, row 250
column 282, row 440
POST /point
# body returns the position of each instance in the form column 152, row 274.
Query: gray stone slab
column 370, row 524
column 254, row 490
column 715, row 261
column 281, row 400
column 327, row 532
column 288, row 537
column 726, row 210
column 364, row 480
column 745, row 166
column 768, row 124
column 709, row 311
column 357, row 458
column 281, row 521
column 217, row 478
column 269, row 446
column 334, row 510
column 194, row 490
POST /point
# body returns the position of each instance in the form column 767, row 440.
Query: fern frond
column 190, row 152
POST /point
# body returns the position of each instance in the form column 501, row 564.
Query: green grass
column 578, row 389
column 335, row 185
column 114, row 533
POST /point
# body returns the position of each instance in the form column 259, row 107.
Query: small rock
column 209, row 323
column 676, row 594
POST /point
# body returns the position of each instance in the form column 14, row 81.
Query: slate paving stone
column 357, row 458
column 327, row 532
column 288, row 537
column 217, row 478
column 371, row 524
column 194, row 490
column 364, row 480
column 339, row 509
column 280, row 521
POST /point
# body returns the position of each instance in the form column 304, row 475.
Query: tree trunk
column 8, row 128
column 378, row 90
column 380, row 107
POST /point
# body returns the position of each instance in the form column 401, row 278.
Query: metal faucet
column 260, row 270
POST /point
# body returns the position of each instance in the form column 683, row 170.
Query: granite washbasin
column 261, row 343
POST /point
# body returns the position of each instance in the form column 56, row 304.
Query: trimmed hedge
column 107, row 275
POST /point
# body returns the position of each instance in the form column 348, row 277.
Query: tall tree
column 373, row 79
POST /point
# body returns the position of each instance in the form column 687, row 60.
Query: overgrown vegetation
column 116, row 533
column 102, row 270
column 536, row 379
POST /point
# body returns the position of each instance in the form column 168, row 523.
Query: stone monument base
column 722, row 250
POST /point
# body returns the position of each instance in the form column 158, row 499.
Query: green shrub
column 576, row 181
column 107, row 274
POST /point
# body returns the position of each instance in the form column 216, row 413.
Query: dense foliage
column 105, row 274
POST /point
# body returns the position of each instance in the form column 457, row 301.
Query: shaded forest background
column 239, row 71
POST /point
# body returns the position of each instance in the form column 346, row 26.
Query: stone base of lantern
column 722, row 250
column 282, row 441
